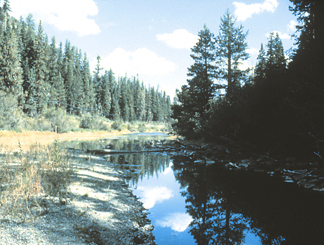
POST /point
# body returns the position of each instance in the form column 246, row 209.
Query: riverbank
column 98, row 208
column 305, row 174
column 11, row 141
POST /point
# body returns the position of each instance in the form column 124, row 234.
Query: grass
column 34, row 168
column 29, row 179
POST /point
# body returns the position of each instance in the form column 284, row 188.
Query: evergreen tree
column 202, row 73
column 10, row 69
column 107, row 80
column 68, row 75
column 148, row 105
column 78, row 102
column 276, row 61
column 140, row 101
column 310, row 15
column 39, row 66
column 27, row 51
column 131, row 88
column 193, row 101
column 57, row 96
column 260, row 68
column 88, row 92
column 115, row 110
column 231, row 51
column 98, row 85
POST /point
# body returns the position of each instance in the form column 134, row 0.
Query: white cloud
column 142, row 61
column 252, row 51
column 281, row 35
column 292, row 25
column 244, row 11
column 180, row 39
column 152, row 195
column 66, row 15
column 176, row 221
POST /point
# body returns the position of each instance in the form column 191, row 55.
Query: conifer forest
column 41, row 79
column 276, row 107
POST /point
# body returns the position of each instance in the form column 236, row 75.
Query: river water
column 191, row 203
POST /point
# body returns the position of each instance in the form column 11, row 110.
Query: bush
column 11, row 116
column 142, row 128
column 63, row 121
column 117, row 125
column 89, row 121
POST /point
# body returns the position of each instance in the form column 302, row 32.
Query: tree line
column 37, row 74
column 277, row 106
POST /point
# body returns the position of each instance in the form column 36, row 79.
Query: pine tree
column 140, row 101
column 39, row 66
column 260, row 68
column 68, row 68
column 97, row 83
column 78, row 102
column 202, row 72
column 192, row 104
column 107, row 80
column 276, row 61
column 231, row 51
column 88, row 93
column 57, row 96
column 10, row 69
column 311, row 26
column 115, row 110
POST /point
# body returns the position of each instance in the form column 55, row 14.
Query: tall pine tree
column 231, row 51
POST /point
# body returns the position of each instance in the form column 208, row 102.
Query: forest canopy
column 277, row 107
column 38, row 75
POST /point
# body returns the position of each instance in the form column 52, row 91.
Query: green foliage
column 37, row 76
column 60, row 119
column 118, row 125
column 142, row 127
column 231, row 51
column 11, row 117
column 89, row 121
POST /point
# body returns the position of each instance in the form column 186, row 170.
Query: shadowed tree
column 231, row 51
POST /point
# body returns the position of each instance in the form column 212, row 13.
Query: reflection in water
column 176, row 221
column 226, row 206
column 216, row 206
column 152, row 195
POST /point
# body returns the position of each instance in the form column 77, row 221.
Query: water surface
column 190, row 202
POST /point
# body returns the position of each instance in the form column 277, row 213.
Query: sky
column 152, row 38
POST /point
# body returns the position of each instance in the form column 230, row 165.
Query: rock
column 199, row 161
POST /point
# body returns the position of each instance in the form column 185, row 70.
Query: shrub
column 142, row 128
column 117, row 125
column 89, row 121
column 11, row 116
column 63, row 121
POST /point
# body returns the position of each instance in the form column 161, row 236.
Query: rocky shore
column 305, row 174
column 99, row 209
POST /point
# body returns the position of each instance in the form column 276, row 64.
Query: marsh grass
column 29, row 179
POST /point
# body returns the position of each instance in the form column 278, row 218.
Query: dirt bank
column 99, row 207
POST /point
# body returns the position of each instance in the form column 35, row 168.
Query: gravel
column 100, row 209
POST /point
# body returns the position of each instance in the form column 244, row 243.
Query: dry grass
column 9, row 139
column 29, row 178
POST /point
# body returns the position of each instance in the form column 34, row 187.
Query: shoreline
column 98, row 209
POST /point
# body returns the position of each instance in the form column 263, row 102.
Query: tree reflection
column 225, row 205
column 213, row 219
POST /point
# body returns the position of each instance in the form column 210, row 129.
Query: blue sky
column 152, row 38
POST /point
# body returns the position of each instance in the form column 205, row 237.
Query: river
column 189, row 202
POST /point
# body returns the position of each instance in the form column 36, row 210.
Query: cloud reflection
column 152, row 195
column 176, row 221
